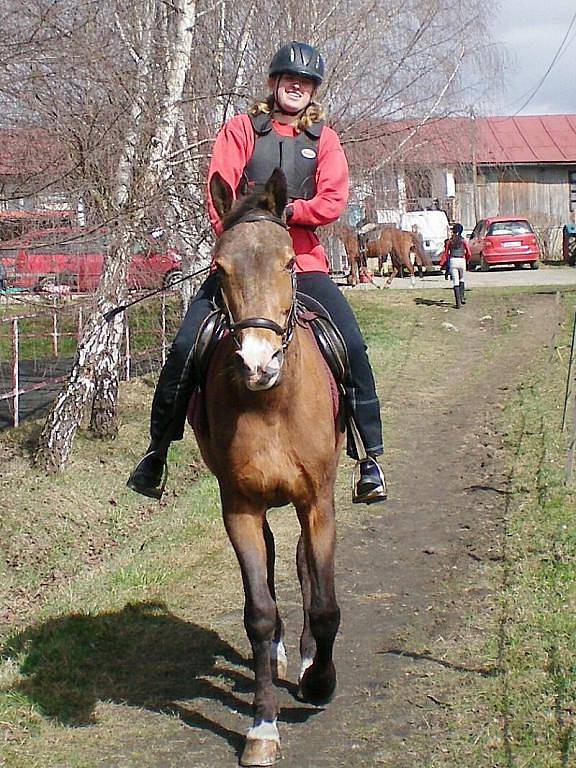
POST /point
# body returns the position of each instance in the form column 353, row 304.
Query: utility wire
column 552, row 63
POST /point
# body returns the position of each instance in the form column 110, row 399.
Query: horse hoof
column 317, row 689
column 260, row 752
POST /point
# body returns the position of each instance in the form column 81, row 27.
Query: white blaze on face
column 257, row 354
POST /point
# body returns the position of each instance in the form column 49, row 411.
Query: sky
column 531, row 33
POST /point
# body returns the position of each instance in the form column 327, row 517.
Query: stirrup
column 377, row 494
column 152, row 492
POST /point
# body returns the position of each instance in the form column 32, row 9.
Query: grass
column 524, row 712
column 102, row 588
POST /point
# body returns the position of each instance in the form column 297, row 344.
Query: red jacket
column 233, row 149
column 447, row 251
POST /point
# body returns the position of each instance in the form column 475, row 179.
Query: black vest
column 297, row 156
column 457, row 249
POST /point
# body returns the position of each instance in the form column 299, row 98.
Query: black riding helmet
column 297, row 59
column 457, row 229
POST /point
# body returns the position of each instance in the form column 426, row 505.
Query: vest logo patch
column 308, row 153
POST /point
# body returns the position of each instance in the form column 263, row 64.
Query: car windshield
column 510, row 228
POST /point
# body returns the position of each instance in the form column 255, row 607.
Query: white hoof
column 262, row 745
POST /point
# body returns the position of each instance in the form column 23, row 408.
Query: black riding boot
column 457, row 296
column 462, row 293
column 149, row 475
column 176, row 383
column 362, row 403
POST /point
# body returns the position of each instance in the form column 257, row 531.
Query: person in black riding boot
column 285, row 130
column 457, row 255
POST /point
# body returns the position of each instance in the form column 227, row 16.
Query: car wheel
column 46, row 281
column 484, row 266
column 172, row 277
column 534, row 264
column 69, row 279
column 518, row 264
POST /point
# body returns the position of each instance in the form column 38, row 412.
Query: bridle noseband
column 286, row 332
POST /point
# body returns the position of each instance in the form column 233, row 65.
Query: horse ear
column 221, row 194
column 276, row 192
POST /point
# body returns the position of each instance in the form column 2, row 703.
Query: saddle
column 310, row 315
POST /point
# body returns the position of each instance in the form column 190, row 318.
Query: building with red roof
column 475, row 167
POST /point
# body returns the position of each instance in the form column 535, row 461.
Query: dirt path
column 407, row 573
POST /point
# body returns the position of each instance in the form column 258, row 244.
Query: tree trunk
column 95, row 372
column 66, row 414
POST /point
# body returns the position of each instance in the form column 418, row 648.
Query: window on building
column 572, row 184
column 418, row 184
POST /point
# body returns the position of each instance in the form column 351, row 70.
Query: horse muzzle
column 260, row 374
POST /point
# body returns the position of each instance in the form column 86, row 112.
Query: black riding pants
column 178, row 380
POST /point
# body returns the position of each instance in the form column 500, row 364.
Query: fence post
column 127, row 347
column 55, row 332
column 572, row 443
column 569, row 377
column 80, row 322
column 16, row 371
column 163, row 313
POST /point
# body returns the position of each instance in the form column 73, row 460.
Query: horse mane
column 256, row 201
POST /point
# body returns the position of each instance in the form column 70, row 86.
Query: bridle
column 234, row 327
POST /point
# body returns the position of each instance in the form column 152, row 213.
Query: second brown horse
column 391, row 241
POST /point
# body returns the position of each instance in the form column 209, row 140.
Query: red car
column 504, row 240
column 74, row 257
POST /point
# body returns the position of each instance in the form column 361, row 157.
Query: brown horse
column 399, row 244
column 349, row 239
column 267, row 384
column 392, row 242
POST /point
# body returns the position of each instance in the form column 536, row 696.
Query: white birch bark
column 96, row 367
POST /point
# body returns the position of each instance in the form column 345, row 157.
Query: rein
column 286, row 332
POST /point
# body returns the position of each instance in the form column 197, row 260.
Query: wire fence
column 39, row 338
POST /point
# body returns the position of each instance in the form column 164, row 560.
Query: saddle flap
column 330, row 343
column 211, row 331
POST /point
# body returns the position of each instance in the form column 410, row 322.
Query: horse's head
column 255, row 258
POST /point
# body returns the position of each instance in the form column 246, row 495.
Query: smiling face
column 293, row 93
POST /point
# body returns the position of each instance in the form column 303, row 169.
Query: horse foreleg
column 245, row 527
column 278, row 650
column 307, row 642
column 391, row 276
column 318, row 680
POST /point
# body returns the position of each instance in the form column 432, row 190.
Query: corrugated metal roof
column 487, row 140
column 530, row 139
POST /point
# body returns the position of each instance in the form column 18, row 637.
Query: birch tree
column 141, row 164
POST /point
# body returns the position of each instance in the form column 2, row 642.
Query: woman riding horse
column 286, row 130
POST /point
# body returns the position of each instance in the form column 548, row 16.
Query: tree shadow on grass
column 142, row 656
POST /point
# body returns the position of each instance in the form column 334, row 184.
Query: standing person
column 457, row 255
column 284, row 130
